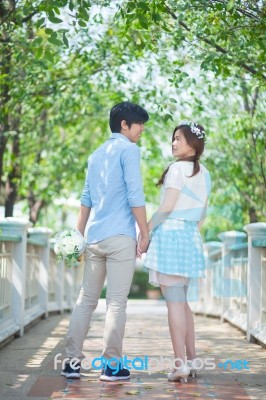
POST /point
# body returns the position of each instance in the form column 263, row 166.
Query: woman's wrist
column 150, row 227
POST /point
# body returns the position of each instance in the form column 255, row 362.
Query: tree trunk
column 11, row 195
column 252, row 215
column 14, row 175
column 35, row 207
column 5, row 60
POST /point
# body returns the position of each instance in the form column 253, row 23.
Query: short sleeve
column 174, row 177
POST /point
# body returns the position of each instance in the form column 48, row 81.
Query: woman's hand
column 150, row 225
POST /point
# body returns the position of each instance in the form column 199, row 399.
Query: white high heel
column 180, row 374
column 195, row 364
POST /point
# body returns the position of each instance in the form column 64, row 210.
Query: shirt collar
column 116, row 135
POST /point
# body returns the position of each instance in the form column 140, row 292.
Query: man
column 113, row 199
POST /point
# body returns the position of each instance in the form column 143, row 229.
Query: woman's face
column 180, row 147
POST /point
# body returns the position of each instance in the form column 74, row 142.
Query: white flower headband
column 194, row 129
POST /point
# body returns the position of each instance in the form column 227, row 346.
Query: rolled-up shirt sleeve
column 85, row 197
column 130, row 160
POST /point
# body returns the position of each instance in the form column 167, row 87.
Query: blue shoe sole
column 113, row 378
column 73, row 375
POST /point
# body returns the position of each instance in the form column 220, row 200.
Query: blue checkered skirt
column 176, row 249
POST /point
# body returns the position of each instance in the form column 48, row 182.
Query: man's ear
column 124, row 124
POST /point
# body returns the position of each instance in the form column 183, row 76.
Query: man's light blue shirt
column 113, row 185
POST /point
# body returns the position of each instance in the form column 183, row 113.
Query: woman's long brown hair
column 193, row 141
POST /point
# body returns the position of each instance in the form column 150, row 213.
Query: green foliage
column 65, row 63
column 60, row 110
column 139, row 286
column 223, row 36
column 48, row 19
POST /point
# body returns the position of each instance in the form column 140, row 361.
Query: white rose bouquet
column 69, row 245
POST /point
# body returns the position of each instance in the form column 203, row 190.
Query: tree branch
column 255, row 100
column 13, row 6
column 244, row 12
column 247, row 197
column 26, row 19
column 262, row 171
column 214, row 45
column 245, row 96
column 58, row 80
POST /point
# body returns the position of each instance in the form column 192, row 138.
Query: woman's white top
column 194, row 191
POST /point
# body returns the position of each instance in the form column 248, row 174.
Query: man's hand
column 142, row 245
column 80, row 258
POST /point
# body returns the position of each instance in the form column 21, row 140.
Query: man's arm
column 135, row 195
column 86, row 204
column 83, row 216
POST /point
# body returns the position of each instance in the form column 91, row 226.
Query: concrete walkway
column 27, row 363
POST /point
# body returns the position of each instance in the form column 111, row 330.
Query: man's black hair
column 130, row 112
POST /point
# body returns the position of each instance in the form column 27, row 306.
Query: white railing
column 235, row 285
column 55, row 287
column 6, row 279
column 63, row 283
column 256, row 302
column 33, row 283
column 210, row 287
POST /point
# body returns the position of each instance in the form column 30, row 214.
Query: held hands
column 144, row 241
column 142, row 245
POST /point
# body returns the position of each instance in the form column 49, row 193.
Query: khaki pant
column 115, row 259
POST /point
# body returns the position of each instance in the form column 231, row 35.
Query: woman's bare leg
column 176, row 304
column 190, row 333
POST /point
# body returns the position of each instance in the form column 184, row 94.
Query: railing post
column 256, row 232
column 41, row 235
column 213, row 302
column 56, row 281
column 19, row 227
column 228, row 238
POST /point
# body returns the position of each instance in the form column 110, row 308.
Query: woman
column 175, row 254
